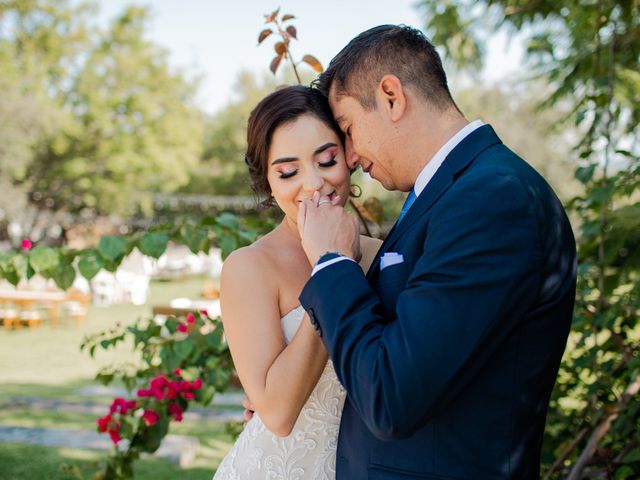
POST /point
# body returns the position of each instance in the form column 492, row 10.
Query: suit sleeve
column 474, row 280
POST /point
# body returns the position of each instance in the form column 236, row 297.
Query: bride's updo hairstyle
column 277, row 109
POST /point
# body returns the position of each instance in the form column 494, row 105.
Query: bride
column 294, row 149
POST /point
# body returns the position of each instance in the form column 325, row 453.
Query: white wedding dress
column 309, row 452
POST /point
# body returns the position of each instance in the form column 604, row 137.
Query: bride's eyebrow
column 324, row 147
column 284, row 160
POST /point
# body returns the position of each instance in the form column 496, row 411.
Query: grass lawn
column 48, row 363
column 30, row 462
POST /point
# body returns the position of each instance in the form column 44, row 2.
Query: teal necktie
column 407, row 204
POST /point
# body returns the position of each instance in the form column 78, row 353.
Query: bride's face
column 306, row 155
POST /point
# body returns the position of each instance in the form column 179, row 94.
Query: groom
column 450, row 346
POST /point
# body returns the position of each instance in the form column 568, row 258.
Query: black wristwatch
column 326, row 256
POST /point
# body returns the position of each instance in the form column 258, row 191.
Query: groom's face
column 367, row 138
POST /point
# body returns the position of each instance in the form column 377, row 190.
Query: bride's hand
column 325, row 226
column 248, row 409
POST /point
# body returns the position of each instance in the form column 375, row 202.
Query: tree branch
column 602, row 429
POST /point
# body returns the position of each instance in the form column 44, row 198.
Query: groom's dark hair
column 387, row 49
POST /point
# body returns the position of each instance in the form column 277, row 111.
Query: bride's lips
column 331, row 196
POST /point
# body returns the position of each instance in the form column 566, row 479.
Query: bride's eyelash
column 329, row 163
column 288, row 175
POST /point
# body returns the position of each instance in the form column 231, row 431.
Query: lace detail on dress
column 309, row 452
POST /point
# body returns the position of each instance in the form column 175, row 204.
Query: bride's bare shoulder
column 249, row 263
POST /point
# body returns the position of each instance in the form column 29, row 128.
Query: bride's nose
column 312, row 181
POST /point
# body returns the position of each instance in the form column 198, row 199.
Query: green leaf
column 633, row 456
column 19, row 264
column 44, row 258
column 228, row 244
column 585, row 174
column 196, row 238
column 30, row 271
column 623, row 473
column 154, row 244
column 64, row 276
column 228, row 220
column 90, row 264
column 183, row 349
column 112, row 248
column 152, row 436
column 11, row 276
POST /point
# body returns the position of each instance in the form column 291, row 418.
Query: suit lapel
column 459, row 158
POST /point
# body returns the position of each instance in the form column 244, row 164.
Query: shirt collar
column 432, row 166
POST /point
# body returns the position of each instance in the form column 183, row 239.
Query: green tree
column 588, row 52
column 130, row 124
column 222, row 170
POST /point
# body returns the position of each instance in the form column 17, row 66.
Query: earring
column 355, row 191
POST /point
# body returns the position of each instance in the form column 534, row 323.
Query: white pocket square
column 390, row 258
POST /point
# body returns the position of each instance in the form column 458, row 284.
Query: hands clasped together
column 325, row 226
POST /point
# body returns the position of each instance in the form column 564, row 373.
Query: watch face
column 328, row 256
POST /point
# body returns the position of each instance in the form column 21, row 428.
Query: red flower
column 191, row 318
column 121, row 405
column 204, row 313
column 143, row 392
column 183, row 328
column 103, row 423
column 177, row 372
column 26, row 244
column 150, row 417
column 197, row 384
column 158, row 386
column 176, row 411
column 115, row 436
column 188, row 395
column 159, row 383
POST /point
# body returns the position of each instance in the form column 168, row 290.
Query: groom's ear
column 392, row 97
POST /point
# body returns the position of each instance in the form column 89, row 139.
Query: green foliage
column 181, row 362
column 225, row 230
column 118, row 123
column 588, row 53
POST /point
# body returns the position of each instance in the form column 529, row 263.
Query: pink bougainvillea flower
column 204, row 313
column 175, row 388
column 159, row 382
column 197, row 384
column 143, row 392
column 115, row 436
column 177, row 372
column 188, row 395
column 191, row 318
column 103, row 423
column 176, row 411
column 26, row 244
column 122, row 405
column 150, row 417
column 183, row 328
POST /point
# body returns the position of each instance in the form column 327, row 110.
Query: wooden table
column 28, row 299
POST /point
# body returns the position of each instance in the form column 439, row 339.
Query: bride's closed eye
column 329, row 163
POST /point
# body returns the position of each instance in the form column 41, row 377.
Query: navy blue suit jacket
column 449, row 358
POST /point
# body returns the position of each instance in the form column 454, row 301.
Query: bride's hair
column 280, row 107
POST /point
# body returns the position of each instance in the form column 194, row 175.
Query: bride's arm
column 278, row 378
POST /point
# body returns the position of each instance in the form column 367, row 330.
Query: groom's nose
column 353, row 159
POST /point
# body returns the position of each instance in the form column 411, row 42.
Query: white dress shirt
column 425, row 176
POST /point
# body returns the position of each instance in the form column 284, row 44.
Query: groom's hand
column 327, row 227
